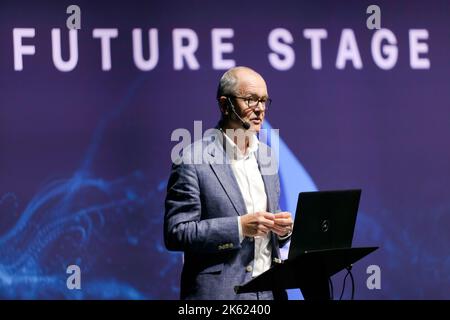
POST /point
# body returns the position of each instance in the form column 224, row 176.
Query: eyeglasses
column 252, row 102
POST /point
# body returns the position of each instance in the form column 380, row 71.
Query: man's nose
column 258, row 107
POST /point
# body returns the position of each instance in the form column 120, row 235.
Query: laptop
column 323, row 228
column 324, row 220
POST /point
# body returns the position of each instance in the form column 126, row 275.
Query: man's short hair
column 227, row 84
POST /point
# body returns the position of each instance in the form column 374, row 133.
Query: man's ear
column 223, row 105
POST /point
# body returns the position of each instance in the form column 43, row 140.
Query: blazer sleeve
column 184, row 228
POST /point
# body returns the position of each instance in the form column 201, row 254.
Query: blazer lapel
column 227, row 179
column 269, row 185
column 269, row 182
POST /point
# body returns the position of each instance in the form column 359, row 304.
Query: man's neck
column 242, row 146
column 242, row 142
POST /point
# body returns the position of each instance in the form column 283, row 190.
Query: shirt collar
column 236, row 152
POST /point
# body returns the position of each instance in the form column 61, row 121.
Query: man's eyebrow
column 254, row 95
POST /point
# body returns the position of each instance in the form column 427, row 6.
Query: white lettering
column 315, row 35
column 58, row 61
column 105, row 36
column 19, row 49
column 219, row 48
column 138, row 55
column 186, row 52
column 390, row 50
column 278, row 42
column 348, row 50
column 416, row 48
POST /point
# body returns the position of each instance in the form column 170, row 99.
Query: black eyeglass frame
column 265, row 103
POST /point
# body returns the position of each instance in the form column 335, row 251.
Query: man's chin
column 255, row 127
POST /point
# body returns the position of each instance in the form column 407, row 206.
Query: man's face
column 250, row 85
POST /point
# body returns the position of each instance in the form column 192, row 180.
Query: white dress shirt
column 251, row 184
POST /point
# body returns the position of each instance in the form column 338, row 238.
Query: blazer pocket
column 215, row 268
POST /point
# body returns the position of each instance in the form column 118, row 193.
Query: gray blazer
column 202, row 204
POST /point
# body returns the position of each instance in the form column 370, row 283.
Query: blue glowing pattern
column 111, row 229
column 407, row 249
column 399, row 252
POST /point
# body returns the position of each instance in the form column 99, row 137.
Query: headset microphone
column 245, row 124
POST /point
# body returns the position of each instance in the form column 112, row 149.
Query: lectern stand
column 308, row 271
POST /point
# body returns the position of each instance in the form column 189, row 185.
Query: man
column 223, row 212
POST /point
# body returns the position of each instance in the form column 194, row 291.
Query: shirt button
column 249, row 268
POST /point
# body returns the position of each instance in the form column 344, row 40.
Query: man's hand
column 282, row 223
column 257, row 224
